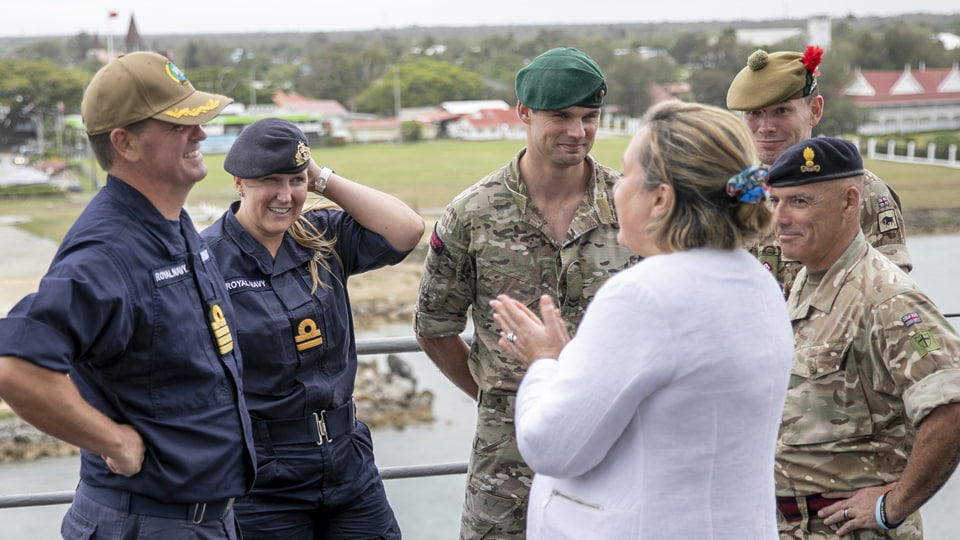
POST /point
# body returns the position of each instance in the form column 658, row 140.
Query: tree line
column 363, row 70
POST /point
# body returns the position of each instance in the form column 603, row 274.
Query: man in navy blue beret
column 779, row 99
column 869, row 429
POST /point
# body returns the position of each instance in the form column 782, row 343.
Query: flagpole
column 110, row 16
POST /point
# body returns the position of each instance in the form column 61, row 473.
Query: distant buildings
column 922, row 99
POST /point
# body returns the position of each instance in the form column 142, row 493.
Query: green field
column 427, row 175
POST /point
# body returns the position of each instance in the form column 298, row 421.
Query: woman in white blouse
column 659, row 418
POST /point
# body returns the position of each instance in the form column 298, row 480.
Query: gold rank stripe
column 210, row 105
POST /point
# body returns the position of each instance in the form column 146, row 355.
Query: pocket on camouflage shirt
column 825, row 400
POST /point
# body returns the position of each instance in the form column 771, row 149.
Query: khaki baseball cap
column 142, row 85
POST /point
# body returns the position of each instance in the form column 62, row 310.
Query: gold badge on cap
column 808, row 164
column 303, row 154
column 175, row 73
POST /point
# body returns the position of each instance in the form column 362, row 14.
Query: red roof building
column 907, row 101
column 488, row 125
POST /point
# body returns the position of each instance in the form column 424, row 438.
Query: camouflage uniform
column 873, row 357
column 880, row 219
column 492, row 240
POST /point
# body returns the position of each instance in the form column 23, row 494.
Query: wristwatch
column 321, row 184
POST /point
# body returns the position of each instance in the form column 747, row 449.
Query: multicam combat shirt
column 873, row 356
column 880, row 220
column 491, row 240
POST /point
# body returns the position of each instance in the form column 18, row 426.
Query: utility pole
column 396, row 103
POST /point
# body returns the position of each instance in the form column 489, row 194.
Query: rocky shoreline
column 384, row 400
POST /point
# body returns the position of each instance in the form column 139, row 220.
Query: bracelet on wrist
column 881, row 514
column 320, row 185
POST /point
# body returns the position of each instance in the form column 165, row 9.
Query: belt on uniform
column 789, row 507
column 320, row 427
column 142, row 505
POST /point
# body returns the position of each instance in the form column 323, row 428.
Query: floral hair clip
column 749, row 185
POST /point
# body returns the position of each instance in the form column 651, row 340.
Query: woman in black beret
column 286, row 271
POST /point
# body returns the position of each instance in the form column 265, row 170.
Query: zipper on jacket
column 557, row 493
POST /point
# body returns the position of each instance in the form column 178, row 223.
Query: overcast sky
column 70, row 17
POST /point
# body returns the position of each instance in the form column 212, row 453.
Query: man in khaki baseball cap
column 143, row 85
column 126, row 349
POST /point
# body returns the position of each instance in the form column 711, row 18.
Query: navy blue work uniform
column 316, row 476
column 134, row 309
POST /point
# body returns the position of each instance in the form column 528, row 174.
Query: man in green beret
column 869, row 430
column 779, row 97
column 543, row 224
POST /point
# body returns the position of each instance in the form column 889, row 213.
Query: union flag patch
column 910, row 319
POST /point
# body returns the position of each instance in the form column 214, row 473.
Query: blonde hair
column 695, row 149
column 305, row 234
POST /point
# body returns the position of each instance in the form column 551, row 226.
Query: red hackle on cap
column 811, row 59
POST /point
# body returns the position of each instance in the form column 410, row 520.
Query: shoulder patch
column 924, row 342
column 887, row 221
column 911, row 319
column 436, row 244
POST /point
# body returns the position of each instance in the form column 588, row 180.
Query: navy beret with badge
column 268, row 146
column 815, row 160
column 561, row 78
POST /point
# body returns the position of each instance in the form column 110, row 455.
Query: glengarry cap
column 772, row 78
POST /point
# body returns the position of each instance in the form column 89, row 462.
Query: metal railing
column 364, row 347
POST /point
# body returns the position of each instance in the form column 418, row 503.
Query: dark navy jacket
column 299, row 349
column 134, row 309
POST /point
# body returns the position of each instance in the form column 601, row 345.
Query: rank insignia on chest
column 306, row 334
column 219, row 328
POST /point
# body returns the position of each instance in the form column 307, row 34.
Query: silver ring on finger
column 511, row 337
column 846, row 516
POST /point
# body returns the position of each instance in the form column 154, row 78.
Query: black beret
column 268, row 146
column 815, row 160
column 561, row 78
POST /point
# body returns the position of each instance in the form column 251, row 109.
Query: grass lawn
column 427, row 175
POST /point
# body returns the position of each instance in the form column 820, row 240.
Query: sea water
column 429, row 508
